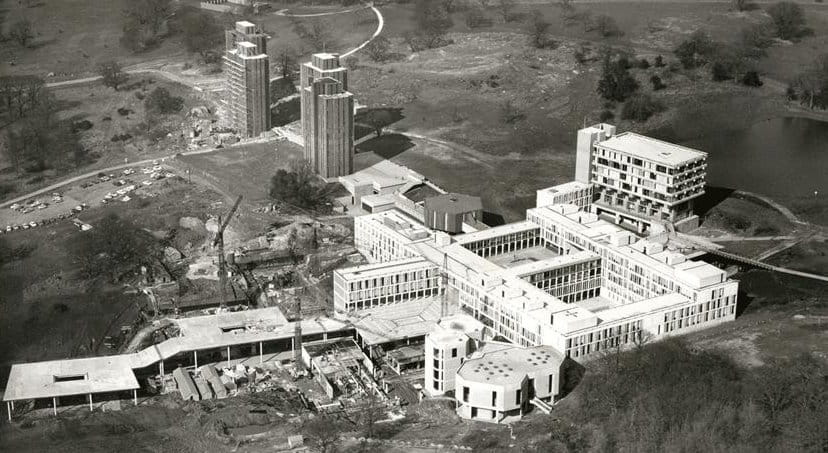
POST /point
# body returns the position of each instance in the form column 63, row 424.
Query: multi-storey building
column 640, row 181
column 327, row 116
column 248, row 79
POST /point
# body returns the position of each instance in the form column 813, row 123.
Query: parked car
column 15, row 206
column 32, row 224
column 129, row 171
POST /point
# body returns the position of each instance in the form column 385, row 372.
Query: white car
column 32, row 224
column 125, row 199
column 121, row 192
column 147, row 182
column 156, row 168
column 146, row 170
column 78, row 208
column 9, row 228
column 15, row 206
column 129, row 171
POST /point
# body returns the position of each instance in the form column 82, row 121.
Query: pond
column 776, row 157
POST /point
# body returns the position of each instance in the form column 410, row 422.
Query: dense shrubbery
column 640, row 108
column 161, row 101
column 299, row 187
column 670, row 397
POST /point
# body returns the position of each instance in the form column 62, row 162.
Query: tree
column 114, row 247
column 378, row 119
column 643, row 64
column 161, row 101
column 21, row 31
column 754, row 40
column 605, row 26
column 476, row 18
column 506, row 8
column 111, row 74
column 288, row 60
column 144, row 21
column 538, row 29
column 657, row 83
column 740, row 5
column 640, row 108
column 616, row 83
column 298, row 187
column 511, row 113
column 433, row 21
column 202, row 34
column 695, row 50
column 789, row 20
column 379, row 49
column 812, row 84
column 659, row 61
column 21, row 94
column 319, row 35
column 751, row 79
column 323, row 432
column 42, row 140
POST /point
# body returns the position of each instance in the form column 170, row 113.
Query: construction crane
column 219, row 242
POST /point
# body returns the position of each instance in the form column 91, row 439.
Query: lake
column 776, row 157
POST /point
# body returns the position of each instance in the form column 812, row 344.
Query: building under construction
column 248, row 79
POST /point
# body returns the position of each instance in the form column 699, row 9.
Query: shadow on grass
column 386, row 146
column 492, row 219
column 712, row 197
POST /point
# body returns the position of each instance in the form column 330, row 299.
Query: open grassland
column 71, row 38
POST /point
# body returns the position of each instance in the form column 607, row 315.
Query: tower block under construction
column 327, row 116
column 248, row 79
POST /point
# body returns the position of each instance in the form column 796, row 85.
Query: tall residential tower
column 327, row 116
column 248, row 79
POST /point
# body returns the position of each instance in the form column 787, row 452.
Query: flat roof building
column 640, row 181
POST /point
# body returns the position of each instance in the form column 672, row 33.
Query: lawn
column 71, row 38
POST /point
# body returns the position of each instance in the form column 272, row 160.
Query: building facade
column 640, row 181
column 248, row 79
column 448, row 212
column 327, row 116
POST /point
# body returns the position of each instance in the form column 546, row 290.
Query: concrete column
column 54, row 404
column 135, row 396
column 292, row 346
column 12, row 405
column 195, row 358
column 228, row 356
column 161, row 367
column 90, row 402
column 261, row 352
column 8, row 409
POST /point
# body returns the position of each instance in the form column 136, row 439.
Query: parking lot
column 120, row 187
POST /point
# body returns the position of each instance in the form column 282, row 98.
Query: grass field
column 71, row 38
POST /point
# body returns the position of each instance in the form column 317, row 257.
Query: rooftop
column 382, row 269
column 454, row 203
column 408, row 319
column 70, row 377
column 497, row 231
column 651, row 149
column 566, row 187
column 382, row 174
column 505, row 364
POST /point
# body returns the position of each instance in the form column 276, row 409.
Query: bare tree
column 538, row 29
column 507, row 8
column 111, row 74
column 21, row 31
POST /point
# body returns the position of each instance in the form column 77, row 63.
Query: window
column 465, row 394
column 454, row 352
column 436, row 352
column 494, row 398
column 436, row 364
column 517, row 397
column 436, row 374
column 550, row 383
column 436, row 385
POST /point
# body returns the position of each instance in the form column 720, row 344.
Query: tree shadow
column 493, row 219
column 386, row 146
column 743, row 301
column 378, row 117
column 712, row 197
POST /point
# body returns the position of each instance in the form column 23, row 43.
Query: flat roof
column 245, row 23
column 454, row 203
column 566, row 187
column 652, row 149
column 382, row 174
column 497, row 231
column 641, row 307
column 392, row 322
column 383, row 268
column 534, row 267
column 70, row 377
column 505, row 365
